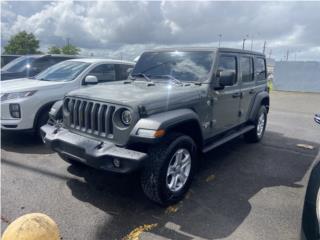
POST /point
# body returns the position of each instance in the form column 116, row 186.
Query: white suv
column 25, row 102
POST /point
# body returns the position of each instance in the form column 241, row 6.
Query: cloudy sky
column 115, row 29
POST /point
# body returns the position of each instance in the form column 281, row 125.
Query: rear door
column 104, row 73
column 227, row 100
column 247, row 85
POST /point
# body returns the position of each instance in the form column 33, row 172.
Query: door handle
column 252, row 91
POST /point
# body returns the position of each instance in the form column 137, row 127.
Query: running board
column 227, row 138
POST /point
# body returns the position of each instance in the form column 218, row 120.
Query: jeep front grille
column 89, row 116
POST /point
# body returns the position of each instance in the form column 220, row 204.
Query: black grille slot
column 89, row 116
column 109, row 122
column 81, row 113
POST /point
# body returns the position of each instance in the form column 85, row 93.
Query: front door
column 226, row 102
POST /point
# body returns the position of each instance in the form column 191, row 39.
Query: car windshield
column 19, row 64
column 64, row 71
column 180, row 65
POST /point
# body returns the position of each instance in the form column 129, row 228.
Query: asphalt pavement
column 242, row 191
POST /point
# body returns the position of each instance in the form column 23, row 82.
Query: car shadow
column 23, row 142
column 218, row 201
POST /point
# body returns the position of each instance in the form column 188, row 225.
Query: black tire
column 154, row 174
column 42, row 120
column 254, row 136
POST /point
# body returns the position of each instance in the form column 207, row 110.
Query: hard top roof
column 101, row 60
column 215, row 49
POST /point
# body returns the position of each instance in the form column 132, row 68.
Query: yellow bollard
column 33, row 226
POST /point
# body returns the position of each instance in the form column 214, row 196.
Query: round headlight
column 126, row 117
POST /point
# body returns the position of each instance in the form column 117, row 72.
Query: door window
column 246, row 69
column 260, row 69
column 104, row 72
column 228, row 63
column 123, row 71
column 41, row 64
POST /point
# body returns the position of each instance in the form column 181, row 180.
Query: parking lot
column 242, row 191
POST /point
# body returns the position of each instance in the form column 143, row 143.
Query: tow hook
column 58, row 125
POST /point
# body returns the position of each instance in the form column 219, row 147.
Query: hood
column 26, row 84
column 160, row 96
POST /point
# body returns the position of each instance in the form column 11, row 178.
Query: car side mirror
column 226, row 78
column 91, row 79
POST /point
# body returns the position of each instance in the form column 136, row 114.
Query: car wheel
column 260, row 123
column 42, row 120
column 168, row 172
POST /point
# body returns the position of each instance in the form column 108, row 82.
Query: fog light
column 15, row 110
column 116, row 162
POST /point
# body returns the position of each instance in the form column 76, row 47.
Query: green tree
column 70, row 50
column 54, row 50
column 22, row 43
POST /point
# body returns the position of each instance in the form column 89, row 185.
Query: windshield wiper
column 133, row 77
column 173, row 79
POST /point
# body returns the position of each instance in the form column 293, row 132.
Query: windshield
column 64, row 71
column 19, row 64
column 181, row 65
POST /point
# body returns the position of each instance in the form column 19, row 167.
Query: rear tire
column 169, row 170
column 260, row 123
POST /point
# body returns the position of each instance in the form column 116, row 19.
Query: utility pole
column 264, row 46
column 244, row 40
column 252, row 43
column 68, row 41
column 220, row 36
column 270, row 52
column 287, row 56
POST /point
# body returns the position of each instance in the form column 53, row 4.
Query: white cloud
column 126, row 28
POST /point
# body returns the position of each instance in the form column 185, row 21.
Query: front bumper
column 95, row 153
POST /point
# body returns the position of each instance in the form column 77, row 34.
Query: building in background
column 297, row 76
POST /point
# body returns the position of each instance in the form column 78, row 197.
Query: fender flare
column 257, row 103
column 166, row 120
column 56, row 109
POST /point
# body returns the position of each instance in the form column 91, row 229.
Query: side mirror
column 226, row 78
column 91, row 79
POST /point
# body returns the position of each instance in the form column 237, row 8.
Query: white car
column 25, row 102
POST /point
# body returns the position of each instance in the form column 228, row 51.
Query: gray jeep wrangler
column 176, row 104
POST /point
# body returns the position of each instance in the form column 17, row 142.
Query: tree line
column 26, row 43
